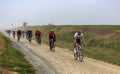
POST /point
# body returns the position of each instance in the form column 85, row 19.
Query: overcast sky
column 37, row 12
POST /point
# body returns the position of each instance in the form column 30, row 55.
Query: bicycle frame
column 29, row 37
column 18, row 37
column 79, row 53
column 38, row 39
column 52, row 47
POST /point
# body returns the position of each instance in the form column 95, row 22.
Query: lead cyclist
column 78, row 36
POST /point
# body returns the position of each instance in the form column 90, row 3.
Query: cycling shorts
column 78, row 41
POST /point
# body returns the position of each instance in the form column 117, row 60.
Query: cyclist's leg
column 30, row 37
column 80, row 52
column 50, row 44
column 36, row 37
column 52, row 41
column 23, row 34
column 74, row 43
column 49, row 41
column 26, row 36
column 75, row 48
column 18, row 38
column 40, row 39
column 14, row 36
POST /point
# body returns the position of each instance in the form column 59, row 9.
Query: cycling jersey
column 14, row 32
column 52, row 36
column 37, row 32
column 78, row 35
column 30, row 33
column 19, row 32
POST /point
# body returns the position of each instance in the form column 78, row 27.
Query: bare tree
column 24, row 24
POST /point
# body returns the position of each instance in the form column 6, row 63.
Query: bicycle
column 29, row 38
column 13, row 36
column 18, row 38
column 78, row 52
column 52, row 46
column 38, row 39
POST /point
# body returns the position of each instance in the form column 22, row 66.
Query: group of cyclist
column 78, row 36
column 20, row 33
column 29, row 34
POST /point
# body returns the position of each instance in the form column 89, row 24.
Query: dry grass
column 2, row 47
column 11, row 58
column 5, row 71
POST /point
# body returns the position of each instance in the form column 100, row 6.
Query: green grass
column 103, row 41
column 14, row 60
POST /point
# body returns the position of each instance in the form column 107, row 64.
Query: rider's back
column 37, row 32
column 51, row 34
column 14, row 32
column 19, row 32
column 30, row 33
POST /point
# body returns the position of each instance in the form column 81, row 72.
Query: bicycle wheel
column 18, row 38
column 38, row 40
column 52, row 47
column 51, row 44
column 75, row 54
column 29, row 38
column 80, row 55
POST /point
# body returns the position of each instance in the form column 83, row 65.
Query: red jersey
column 51, row 34
column 37, row 32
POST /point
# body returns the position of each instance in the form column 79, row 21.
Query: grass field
column 11, row 60
column 103, row 41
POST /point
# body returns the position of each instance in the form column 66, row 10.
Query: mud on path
column 61, row 61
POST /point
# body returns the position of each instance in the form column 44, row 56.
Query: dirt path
column 62, row 61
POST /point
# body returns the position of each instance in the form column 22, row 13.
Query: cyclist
column 38, row 35
column 29, row 35
column 9, row 31
column 19, row 35
column 23, row 33
column 77, row 39
column 52, row 36
column 26, row 34
column 14, row 33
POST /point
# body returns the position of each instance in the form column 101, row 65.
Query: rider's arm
column 83, row 39
column 75, row 37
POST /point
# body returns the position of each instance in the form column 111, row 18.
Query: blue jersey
column 28, row 32
column 14, row 32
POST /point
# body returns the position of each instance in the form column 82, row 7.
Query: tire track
column 41, row 65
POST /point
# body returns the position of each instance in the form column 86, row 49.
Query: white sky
column 38, row 12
